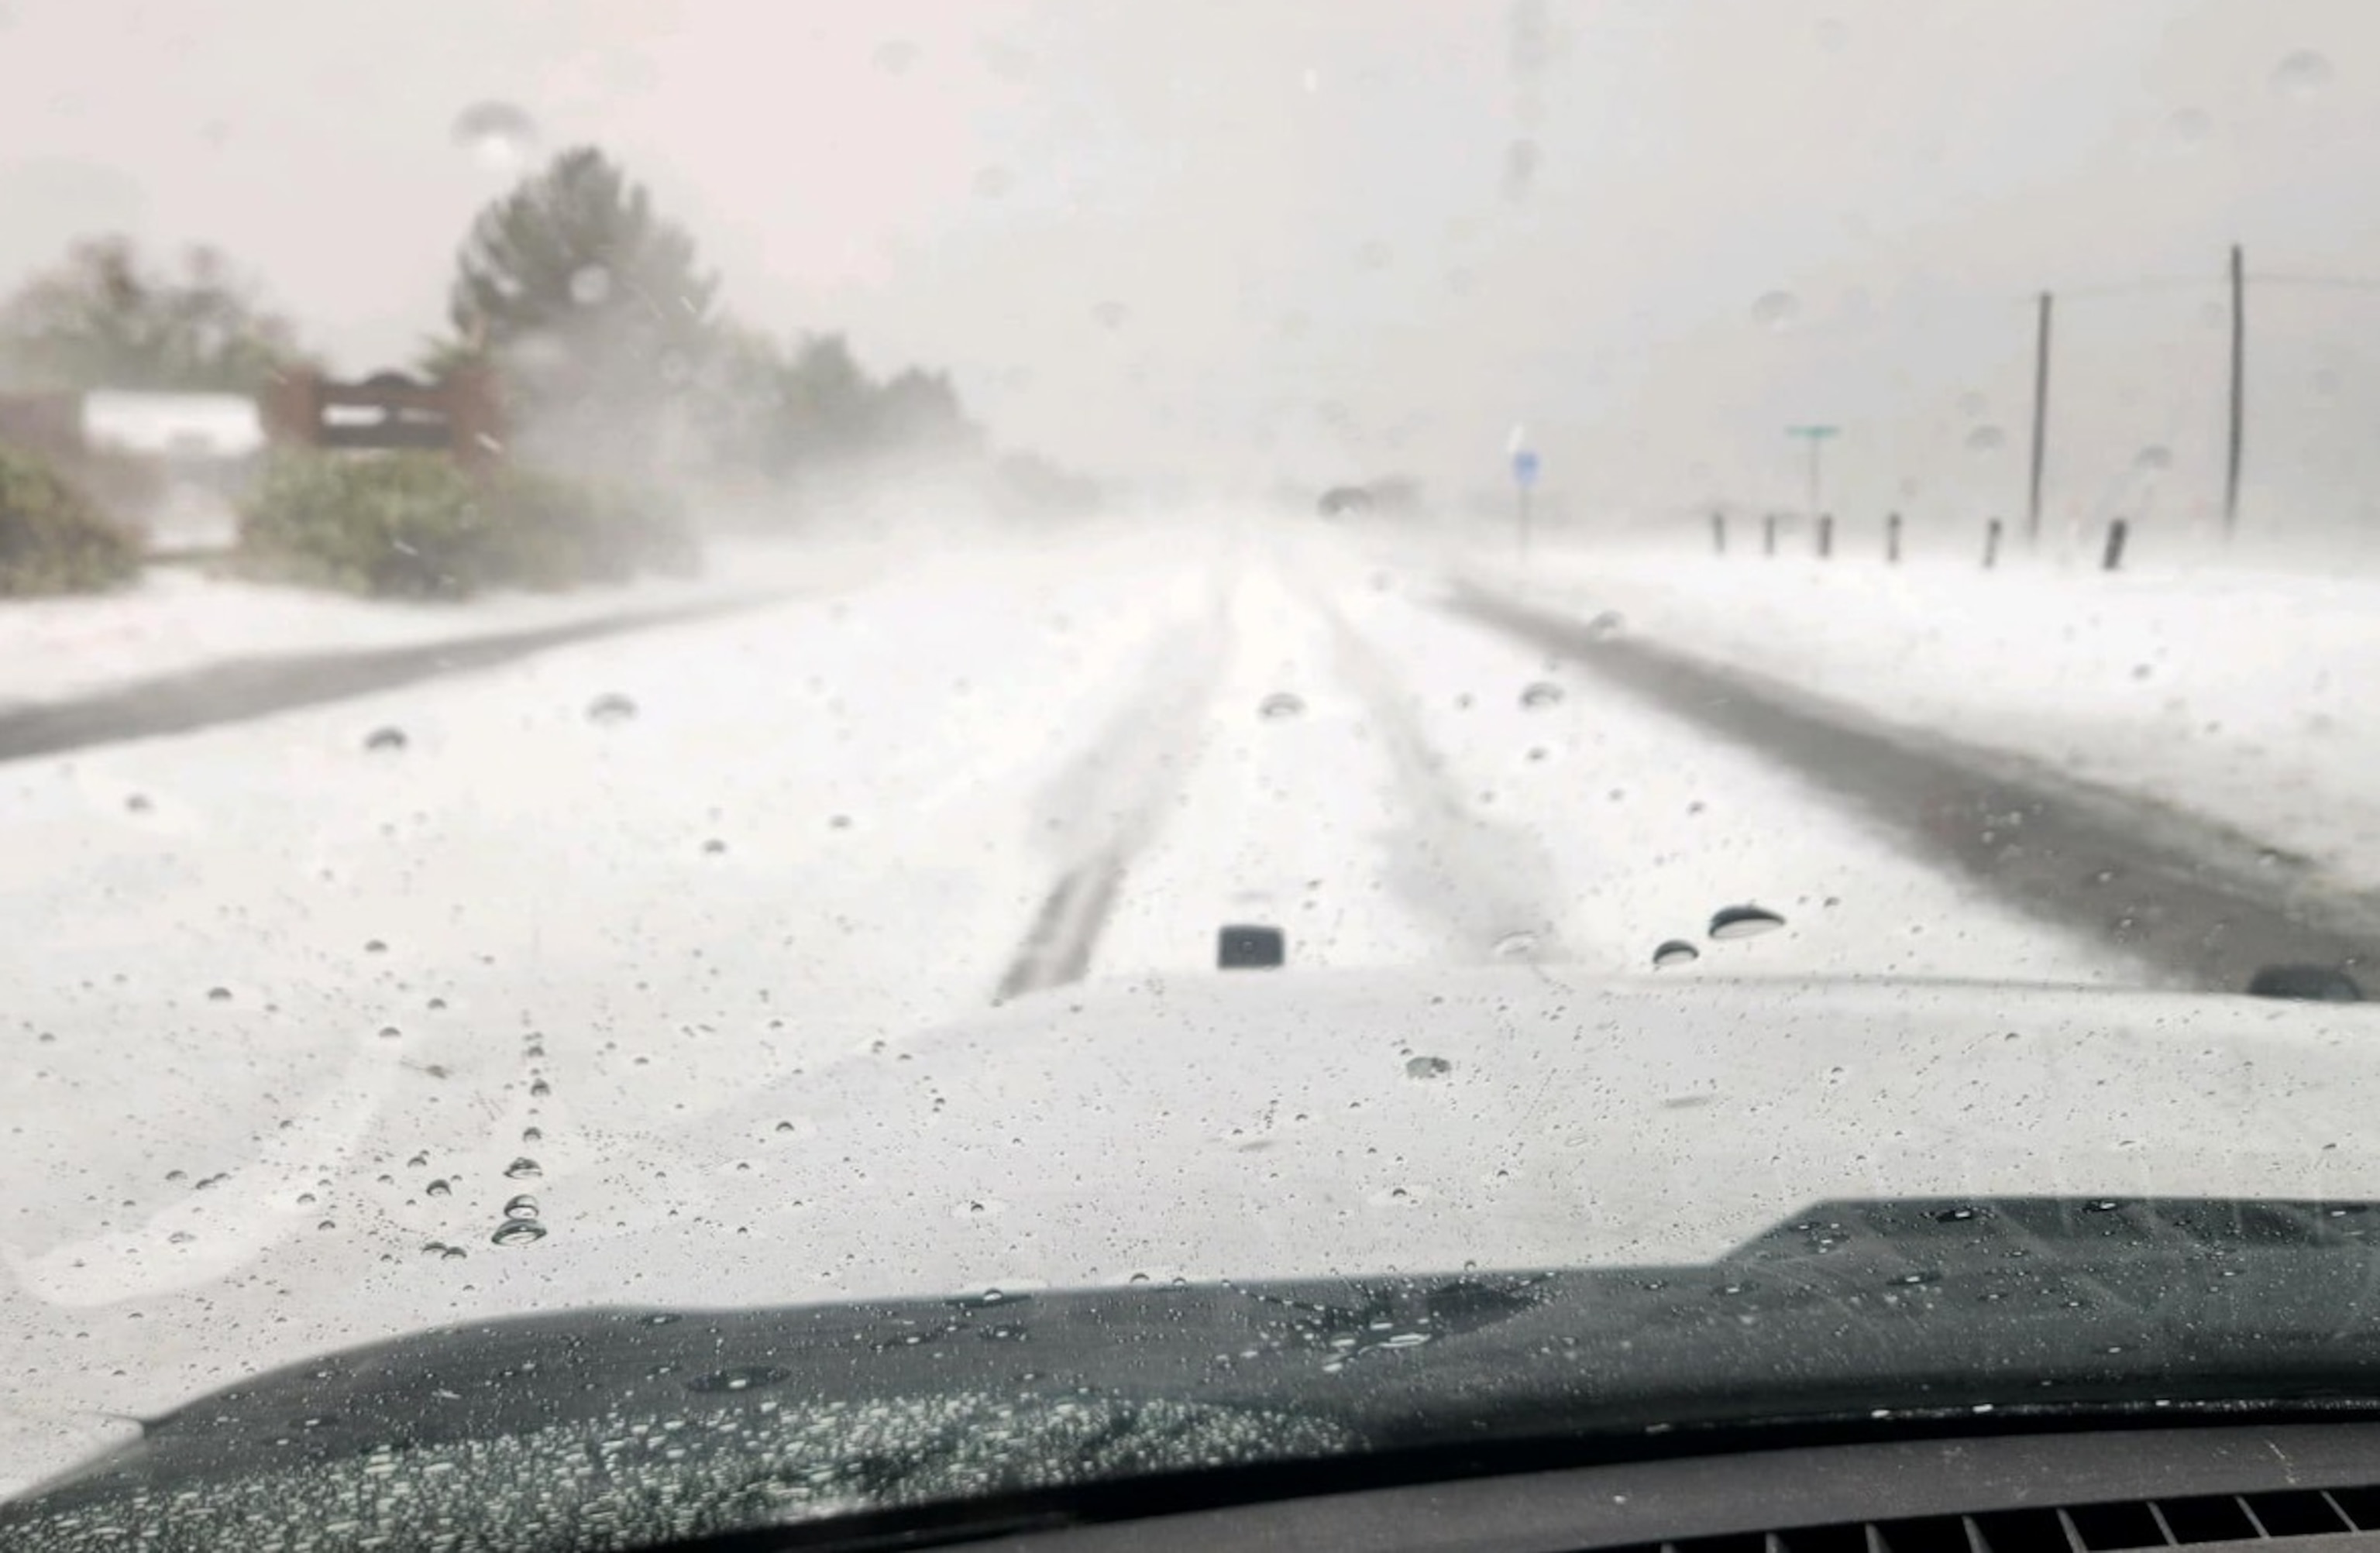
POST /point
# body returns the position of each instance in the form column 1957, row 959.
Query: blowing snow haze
column 884, row 763
column 1227, row 246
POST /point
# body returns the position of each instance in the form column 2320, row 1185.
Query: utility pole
column 1817, row 437
column 2238, row 390
column 2040, row 422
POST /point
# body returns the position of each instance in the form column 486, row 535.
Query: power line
column 2135, row 288
column 2332, row 283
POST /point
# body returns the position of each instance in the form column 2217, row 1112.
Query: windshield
column 729, row 658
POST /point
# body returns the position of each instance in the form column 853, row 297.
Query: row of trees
column 603, row 330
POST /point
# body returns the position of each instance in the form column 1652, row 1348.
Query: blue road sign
column 1524, row 466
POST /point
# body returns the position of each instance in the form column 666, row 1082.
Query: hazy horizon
column 1238, row 243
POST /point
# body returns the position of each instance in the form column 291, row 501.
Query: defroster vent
column 2079, row 1528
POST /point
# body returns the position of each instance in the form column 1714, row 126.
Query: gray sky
column 1330, row 238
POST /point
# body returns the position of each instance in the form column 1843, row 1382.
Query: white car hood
column 1258, row 1125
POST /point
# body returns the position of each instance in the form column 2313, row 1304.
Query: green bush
column 52, row 539
column 415, row 525
column 552, row 532
column 403, row 525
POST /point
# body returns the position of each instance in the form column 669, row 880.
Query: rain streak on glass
column 1279, row 705
column 1777, row 310
column 1744, row 922
column 498, row 135
column 2301, row 74
column 2189, row 128
column 589, row 285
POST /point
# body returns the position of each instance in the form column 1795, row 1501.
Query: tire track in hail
column 1104, row 807
column 2204, row 904
column 1489, row 883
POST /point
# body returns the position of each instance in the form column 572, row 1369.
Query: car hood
column 1268, row 1126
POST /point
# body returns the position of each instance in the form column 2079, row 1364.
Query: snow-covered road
column 284, row 998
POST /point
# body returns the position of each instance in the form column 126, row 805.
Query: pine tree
column 593, row 305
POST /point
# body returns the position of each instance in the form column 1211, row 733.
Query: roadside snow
column 173, row 621
column 2245, row 696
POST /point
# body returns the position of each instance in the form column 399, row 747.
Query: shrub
column 415, row 525
column 401, row 525
column 553, row 532
column 52, row 539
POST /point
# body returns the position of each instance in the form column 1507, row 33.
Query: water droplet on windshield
column 1987, row 439
column 524, row 1168
column 2152, row 457
column 375, row 946
column 2301, row 74
column 137, row 803
column 715, row 846
column 1605, row 626
column 1520, row 159
column 532, row 1135
column 386, row 739
column 518, row 1231
column 438, row 1188
column 523, row 1207
column 1541, row 693
column 1744, row 922
column 1676, row 952
column 1777, row 310
column 611, row 707
column 390, row 1033
column 498, row 135
column 1281, row 704
column 1514, row 946
column 1428, row 1067
column 589, row 285
column 219, row 994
